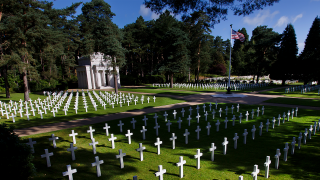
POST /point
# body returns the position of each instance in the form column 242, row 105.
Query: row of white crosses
column 235, row 86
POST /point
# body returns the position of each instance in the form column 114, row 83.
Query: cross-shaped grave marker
column 140, row 149
column 293, row 144
column 160, row 172
column 47, row 156
column 129, row 136
column 208, row 128
column 90, row 131
column 168, row 124
column 93, row 144
column 181, row 163
column 174, row 114
column 186, row 134
column 145, row 120
column 213, row 113
column 198, row 116
column 97, row 164
column 245, row 136
column 217, row 125
column 179, row 122
column 173, row 138
column 72, row 148
column 73, row 136
column 120, row 125
column 226, row 123
column 120, row 156
column 220, row 111
column 235, row 140
column 197, row 131
column 133, row 123
column 143, row 131
column 266, row 165
column 53, row 139
column 253, row 130
column 182, row 112
column 260, row 128
column 156, row 128
column 112, row 141
column 158, row 145
column 247, row 115
column 305, row 136
column 255, row 172
column 31, row 143
column 13, row 116
column 106, row 127
column 165, row 116
column 69, row 172
column 212, row 151
column 155, row 117
column 277, row 157
column 252, row 113
column 225, row 143
column 197, row 156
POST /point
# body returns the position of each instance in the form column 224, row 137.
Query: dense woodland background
column 40, row 46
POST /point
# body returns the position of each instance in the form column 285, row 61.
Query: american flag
column 237, row 35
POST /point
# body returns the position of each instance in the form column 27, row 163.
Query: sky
column 300, row 13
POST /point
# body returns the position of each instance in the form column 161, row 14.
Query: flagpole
column 228, row 90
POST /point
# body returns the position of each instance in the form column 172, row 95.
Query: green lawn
column 312, row 94
column 22, row 122
column 302, row 165
column 295, row 101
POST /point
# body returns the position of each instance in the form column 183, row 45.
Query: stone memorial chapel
column 95, row 72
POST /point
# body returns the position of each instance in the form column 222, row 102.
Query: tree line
column 40, row 45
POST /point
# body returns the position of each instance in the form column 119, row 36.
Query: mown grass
column 302, row 165
column 22, row 122
column 295, row 101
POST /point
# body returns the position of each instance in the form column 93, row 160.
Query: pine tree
column 176, row 58
column 310, row 57
column 285, row 66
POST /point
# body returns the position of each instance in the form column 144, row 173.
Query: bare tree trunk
column 171, row 80
column 25, row 80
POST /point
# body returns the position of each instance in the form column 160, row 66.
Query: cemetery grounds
column 303, row 164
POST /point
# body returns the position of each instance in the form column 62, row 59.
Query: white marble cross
column 267, row 125
column 213, row 113
column 217, row 125
column 73, row 136
column 245, row 136
column 210, row 105
column 310, row 131
column 197, row 156
column 296, row 111
column 216, row 104
column 253, row 130
column 247, row 114
column 233, row 120
column 140, row 149
column 174, row 114
column 160, row 172
column 258, row 110
column 208, row 128
column 305, row 136
column 31, row 143
column 314, row 128
column 72, row 148
column 154, row 99
column 53, row 139
column 220, row 111
column 97, row 163
column 165, row 116
column 232, row 109
column 155, row 117
column 143, row 131
column 93, row 144
column 225, row 143
column 112, row 140
column 288, row 115
column 120, row 125
column 145, row 120
column 186, row 134
column 283, row 116
column 173, row 138
column 197, row 109
column 260, row 128
column 129, row 134
column 47, row 156
column 189, row 118
column 266, row 165
column 179, row 122
column 238, row 108
column 277, row 156
column 133, row 123
column 285, row 152
column 20, row 111
column 120, row 156
column 240, row 118
column 204, row 107
column 158, row 145
column 156, row 128
column 279, row 118
column 293, row 144
column 299, row 140
column 255, row 172
column 168, row 124
column 212, row 151
column 13, row 116
column 198, row 116
column 182, row 112
column 190, row 110
column 181, row 163
column 252, row 113
column 226, row 123
column 197, row 131
column 235, row 140
column 273, row 122
column 262, row 110
column 226, row 110
column 90, row 131
column 107, row 129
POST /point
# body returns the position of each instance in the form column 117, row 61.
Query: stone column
column 98, row 79
column 103, row 77
column 88, row 77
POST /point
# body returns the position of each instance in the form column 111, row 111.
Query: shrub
column 15, row 156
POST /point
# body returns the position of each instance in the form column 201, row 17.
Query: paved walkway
column 191, row 100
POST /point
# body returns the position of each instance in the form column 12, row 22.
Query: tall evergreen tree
column 285, row 66
column 176, row 58
column 310, row 57
column 238, row 55
column 265, row 44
